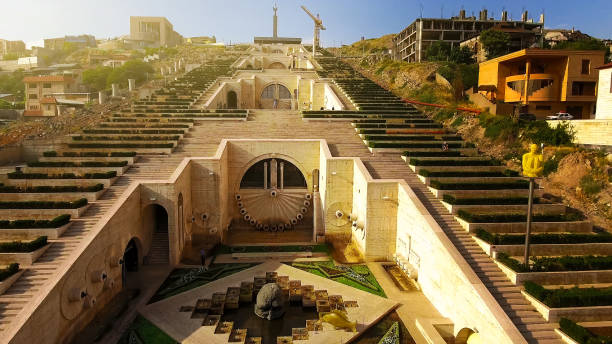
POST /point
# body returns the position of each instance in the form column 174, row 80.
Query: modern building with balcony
column 542, row 82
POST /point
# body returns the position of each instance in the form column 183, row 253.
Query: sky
column 239, row 20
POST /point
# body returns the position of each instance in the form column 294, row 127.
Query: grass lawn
column 143, row 331
column 181, row 280
column 362, row 278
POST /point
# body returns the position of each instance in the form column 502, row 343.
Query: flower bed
column 21, row 224
column 44, row 205
column 23, row 247
column 517, row 217
column 572, row 297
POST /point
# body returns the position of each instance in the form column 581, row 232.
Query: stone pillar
column 175, row 66
column 101, row 97
column 115, row 88
column 169, row 70
column 131, row 84
column 317, row 214
column 162, row 70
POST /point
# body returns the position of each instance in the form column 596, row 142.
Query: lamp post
column 532, row 167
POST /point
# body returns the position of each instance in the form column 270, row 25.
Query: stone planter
column 75, row 170
column 42, row 213
column 7, row 283
column 23, row 258
column 537, row 208
column 130, row 159
column 557, row 277
column 592, row 313
column 33, row 233
column 536, row 227
column 61, row 182
column 59, row 196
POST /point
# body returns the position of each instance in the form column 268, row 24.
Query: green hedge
column 134, row 131
column 462, row 162
column 450, row 154
column 581, row 334
column 79, row 164
column 126, row 138
column 572, row 297
column 44, row 204
column 51, row 189
column 90, row 154
column 412, row 145
column 450, row 199
column 22, row 224
column 545, row 238
column 517, row 217
column 412, row 138
column 121, row 145
column 99, row 175
column 519, row 184
column 506, row 173
column 22, row 247
column 9, row 271
column 565, row 263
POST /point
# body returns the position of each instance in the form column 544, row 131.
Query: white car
column 561, row 116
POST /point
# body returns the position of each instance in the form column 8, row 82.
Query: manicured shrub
column 459, row 162
column 22, row 224
column 9, row 271
column 581, row 334
column 511, row 262
column 44, row 204
column 506, row 173
column 51, row 189
column 50, row 153
column 572, row 297
column 125, row 138
column 120, row 145
column 433, row 154
column 519, row 184
column 21, row 175
column 80, row 164
column 517, row 217
column 22, row 247
column 450, row 199
column 545, row 238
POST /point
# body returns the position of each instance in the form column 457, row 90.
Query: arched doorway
column 275, row 96
column 276, row 65
column 232, row 100
column 273, row 198
column 155, row 221
column 130, row 260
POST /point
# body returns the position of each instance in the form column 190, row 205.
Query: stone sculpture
column 269, row 303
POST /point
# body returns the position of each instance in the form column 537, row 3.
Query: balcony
column 541, row 87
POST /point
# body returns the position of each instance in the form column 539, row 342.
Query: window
column 32, row 85
column 33, row 96
column 583, row 88
column 46, row 85
column 33, row 107
column 586, row 66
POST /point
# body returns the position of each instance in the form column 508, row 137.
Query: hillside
column 578, row 177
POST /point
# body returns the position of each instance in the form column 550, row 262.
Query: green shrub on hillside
column 590, row 186
column 541, row 132
column 498, row 127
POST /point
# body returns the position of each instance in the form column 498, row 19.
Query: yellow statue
column 338, row 319
column 533, row 162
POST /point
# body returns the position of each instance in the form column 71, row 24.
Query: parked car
column 561, row 116
column 526, row 117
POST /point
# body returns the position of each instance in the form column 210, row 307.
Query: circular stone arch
column 468, row 336
column 252, row 162
column 276, row 65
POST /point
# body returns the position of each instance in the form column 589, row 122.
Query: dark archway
column 155, row 221
column 130, row 260
column 273, row 173
column 232, row 100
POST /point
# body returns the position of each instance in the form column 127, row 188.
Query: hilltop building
column 81, row 41
column 7, row 47
column 412, row 42
column 153, row 32
column 543, row 82
column 520, row 38
column 275, row 39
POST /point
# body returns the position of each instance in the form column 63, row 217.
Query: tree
column 13, row 83
column 96, row 78
column 133, row 69
column 438, row 51
column 462, row 55
column 584, row 44
column 495, row 43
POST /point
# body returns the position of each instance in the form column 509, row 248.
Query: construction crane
column 318, row 26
